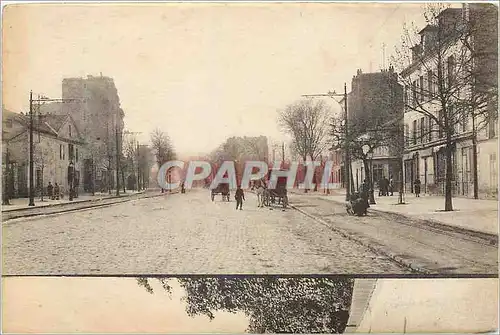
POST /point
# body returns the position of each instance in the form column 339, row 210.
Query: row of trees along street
column 460, row 87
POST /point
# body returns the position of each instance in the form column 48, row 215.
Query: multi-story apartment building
column 440, row 71
column 96, row 110
column 375, row 101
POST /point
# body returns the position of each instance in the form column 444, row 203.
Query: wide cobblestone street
column 183, row 234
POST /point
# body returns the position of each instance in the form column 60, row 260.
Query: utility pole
column 39, row 100
column 347, row 156
column 31, row 191
column 474, row 156
column 117, row 161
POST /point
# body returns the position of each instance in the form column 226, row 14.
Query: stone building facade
column 425, row 156
column 97, row 113
column 375, row 101
column 57, row 142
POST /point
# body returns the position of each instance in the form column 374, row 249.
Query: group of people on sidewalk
column 386, row 186
column 54, row 192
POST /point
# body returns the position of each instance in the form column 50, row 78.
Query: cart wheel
column 213, row 197
column 285, row 201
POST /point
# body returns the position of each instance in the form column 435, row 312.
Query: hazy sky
column 200, row 72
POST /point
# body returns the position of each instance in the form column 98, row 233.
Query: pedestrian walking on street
column 417, row 187
column 50, row 191
column 56, row 192
column 391, row 185
column 239, row 196
column 382, row 187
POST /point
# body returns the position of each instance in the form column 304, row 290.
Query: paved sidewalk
column 22, row 203
column 476, row 215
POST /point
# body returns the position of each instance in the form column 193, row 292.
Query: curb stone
column 94, row 203
column 71, row 203
column 379, row 251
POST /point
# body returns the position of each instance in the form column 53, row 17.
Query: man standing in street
column 239, row 196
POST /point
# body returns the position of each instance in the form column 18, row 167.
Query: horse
column 260, row 190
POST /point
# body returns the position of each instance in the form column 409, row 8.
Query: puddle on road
column 247, row 304
column 176, row 305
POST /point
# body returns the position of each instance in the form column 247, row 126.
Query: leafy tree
column 273, row 305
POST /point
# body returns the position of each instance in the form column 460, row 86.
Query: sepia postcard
column 297, row 167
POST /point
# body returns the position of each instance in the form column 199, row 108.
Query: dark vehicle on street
column 357, row 205
column 223, row 189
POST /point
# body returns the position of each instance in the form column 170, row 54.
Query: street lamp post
column 347, row 163
column 369, row 154
column 117, row 162
column 31, row 191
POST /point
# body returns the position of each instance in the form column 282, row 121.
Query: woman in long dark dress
column 417, row 187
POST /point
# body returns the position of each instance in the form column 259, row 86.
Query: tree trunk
column 41, row 190
column 315, row 182
column 304, row 158
column 448, row 206
column 6, row 185
column 371, row 197
column 110, row 175
column 123, row 181
column 401, row 176
column 93, row 176
column 474, row 161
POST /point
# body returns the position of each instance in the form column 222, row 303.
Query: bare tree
column 256, row 147
column 365, row 136
column 162, row 148
column 130, row 157
column 306, row 121
column 438, row 71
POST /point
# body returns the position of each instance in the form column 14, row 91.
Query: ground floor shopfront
column 386, row 167
column 429, row 166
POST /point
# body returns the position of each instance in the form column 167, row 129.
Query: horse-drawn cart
column 277, row 195
column 222, row 189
